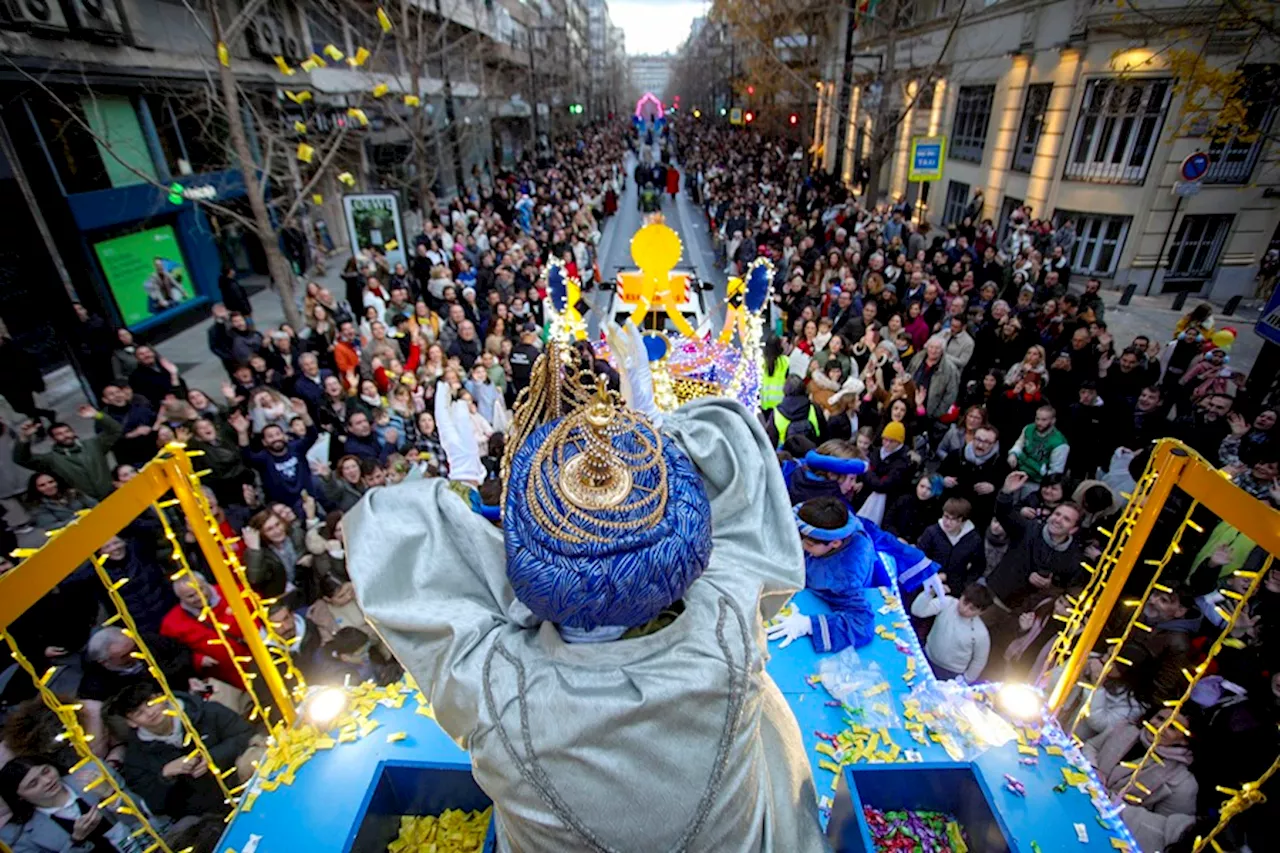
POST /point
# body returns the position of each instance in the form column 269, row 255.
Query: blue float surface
column 324, row 807
column 1043, row 816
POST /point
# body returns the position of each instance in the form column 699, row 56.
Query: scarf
column 971, row 455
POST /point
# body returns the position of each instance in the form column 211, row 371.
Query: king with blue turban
column 602, row 655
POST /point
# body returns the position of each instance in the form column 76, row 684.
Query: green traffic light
column 723, row 111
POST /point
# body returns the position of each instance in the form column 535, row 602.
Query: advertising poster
column 373, row 219
column 145, row 272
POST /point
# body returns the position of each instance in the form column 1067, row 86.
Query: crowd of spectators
column 306, row 421
column 1000, row 421
column 1003, row 425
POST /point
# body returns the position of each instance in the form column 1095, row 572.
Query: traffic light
column 697, row 113
column 749, row 117
column 575, row 109
column 723, row 111
column 751, row 90
column 794, row 119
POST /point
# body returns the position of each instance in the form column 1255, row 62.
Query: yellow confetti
column 1074, row 777
column 283, row 66
column 380, row 90
column 299, row 127
column 358, row 114
column 876, row 690
column 305, row 152
column 318, row 61
column 1053, row 750
column 347, row 178
column 1023, row 749
column 333, row 53
column 391, row 245
column 298, row 97
column 396, row 737
column 316, row 198
column 412, row 101
column 384, row 21
column 224, row 55
column 362, row 55
column 829, row 765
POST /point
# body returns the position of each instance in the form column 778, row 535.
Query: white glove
column 627, row 345
column 791, row 628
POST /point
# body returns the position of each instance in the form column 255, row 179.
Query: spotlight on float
column 1019, row 701
column 324, row 706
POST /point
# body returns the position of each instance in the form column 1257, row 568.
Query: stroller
column 650, row 201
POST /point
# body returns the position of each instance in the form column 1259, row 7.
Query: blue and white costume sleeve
column 840, row 579
column 914, row 568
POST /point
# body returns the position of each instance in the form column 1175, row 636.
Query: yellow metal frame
column 79, row 542
column 1174, row 465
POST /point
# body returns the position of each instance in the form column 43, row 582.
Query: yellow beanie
column 894, row 432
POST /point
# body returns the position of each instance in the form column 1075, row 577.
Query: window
column 1234, row 158
column 1099, row 241
column 1006, row 211
column 1117, row 131
column 95, row 142
column 957, row 201
column 1195, row 250
column 1024, row 152
column 973, row 114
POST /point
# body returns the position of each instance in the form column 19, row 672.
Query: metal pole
column 1151, row 282
column 451, row 126
column 533, row 93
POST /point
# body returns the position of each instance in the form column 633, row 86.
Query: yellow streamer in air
column 224, row 55
column 384, row 21
column 305, row 152
column 283, row 66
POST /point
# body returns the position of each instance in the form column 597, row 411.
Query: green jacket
column 84, row 467
column 1039, row 455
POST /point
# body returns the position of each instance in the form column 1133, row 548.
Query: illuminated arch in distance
column 648, row 98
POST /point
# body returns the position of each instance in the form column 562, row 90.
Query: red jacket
column 180, row 625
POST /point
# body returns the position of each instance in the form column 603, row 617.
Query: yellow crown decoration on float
column 686, row 363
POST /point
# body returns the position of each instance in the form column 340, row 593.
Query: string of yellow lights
column 1135, row 622
column 176, row 707
column 1193, row 678
column 120, row 799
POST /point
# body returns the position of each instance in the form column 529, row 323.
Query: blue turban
column 630, row 576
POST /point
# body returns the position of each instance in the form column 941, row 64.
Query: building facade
column 110, row 144
column 1072, row 107
column 651, row 73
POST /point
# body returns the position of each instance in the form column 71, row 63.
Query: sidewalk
column 189, row 350
column 1154, row 316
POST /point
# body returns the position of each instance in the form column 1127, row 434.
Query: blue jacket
column 148, row 594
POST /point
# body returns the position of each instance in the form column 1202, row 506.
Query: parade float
column 899, row 761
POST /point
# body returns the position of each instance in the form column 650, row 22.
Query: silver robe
column 676, row 741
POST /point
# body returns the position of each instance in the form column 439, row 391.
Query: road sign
column 927, row 153
column 1269, row 323
column 1194, row 167
column 735, row 115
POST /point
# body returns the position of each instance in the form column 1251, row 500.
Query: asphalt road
column 687, row 221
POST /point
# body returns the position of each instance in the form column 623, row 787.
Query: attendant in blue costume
column 831, row 471
column 840, row 563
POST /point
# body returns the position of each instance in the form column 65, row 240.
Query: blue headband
column 852, row 527
column 489, row 513
column 834, row 464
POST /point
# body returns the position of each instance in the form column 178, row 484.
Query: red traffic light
column 749, row 117
column 751, row 90
column 793, row 118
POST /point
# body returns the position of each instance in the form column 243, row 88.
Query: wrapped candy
column 905, row 831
